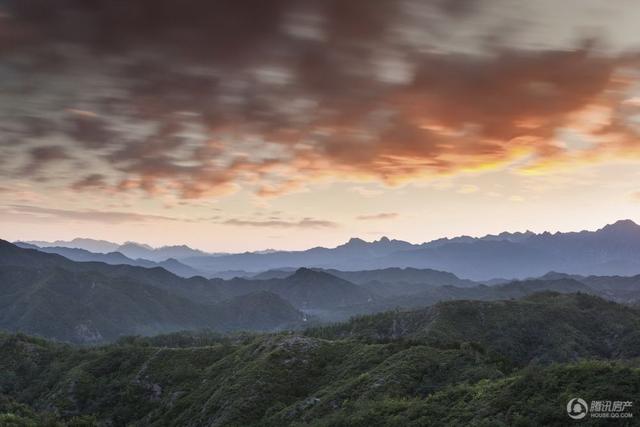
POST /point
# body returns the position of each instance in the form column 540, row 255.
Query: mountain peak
column 623, row 225
column 135, row 245
column 174, row 247
column 4, row 243
column 310, row 275
column 304, row 271
column 355, row 241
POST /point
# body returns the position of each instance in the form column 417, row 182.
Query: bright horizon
column 309, row 247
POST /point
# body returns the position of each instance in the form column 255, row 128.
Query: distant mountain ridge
column 137, row 250
column 91, row 245
column 610, row 250
column 114, row 258
column 131, row 250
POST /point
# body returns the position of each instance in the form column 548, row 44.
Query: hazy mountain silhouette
column 131, row 250
column 305, row 289
column 138, row 250
column 385, row 282
column 354, row 253
column 114, row 258
column 610, row 250
column 91, row 245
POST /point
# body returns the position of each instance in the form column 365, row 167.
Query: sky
column 243, row 125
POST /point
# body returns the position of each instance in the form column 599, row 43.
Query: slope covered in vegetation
column 389, row 369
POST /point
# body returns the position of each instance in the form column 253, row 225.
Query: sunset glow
column 314, row 123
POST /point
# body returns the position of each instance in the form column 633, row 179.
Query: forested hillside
column 459, row 363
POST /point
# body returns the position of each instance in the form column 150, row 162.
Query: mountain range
column 50, row 295
column 131, row 250
column 611, row 250
column 265, row 349
column 114, row 258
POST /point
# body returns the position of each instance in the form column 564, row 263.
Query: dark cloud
column 37, row 127
column 92, row 181
column 191, row 29
column 89, row 130
column 459, row 7
column 48, row 153
column 41, row 156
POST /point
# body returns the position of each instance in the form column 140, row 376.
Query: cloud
column 40, row 157
column 88, row 129
column 278, row 223
column 95, row 180
column 83, row 215
column 384, row 215
column 187, row 97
